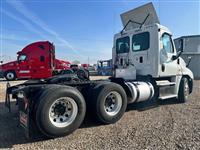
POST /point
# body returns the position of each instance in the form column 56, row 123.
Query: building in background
column 191, row 48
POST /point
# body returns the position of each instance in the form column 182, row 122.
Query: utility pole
column 88, row 62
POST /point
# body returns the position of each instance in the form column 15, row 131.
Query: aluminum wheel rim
column 10, row 75
column 113, row 103
column 63, row 112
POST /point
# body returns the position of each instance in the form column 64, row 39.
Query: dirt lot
column 167, row 125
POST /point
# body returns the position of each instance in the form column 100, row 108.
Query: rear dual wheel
column 109, row 102
column 60, row 111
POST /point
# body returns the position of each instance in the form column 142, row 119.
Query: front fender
column 187, row 72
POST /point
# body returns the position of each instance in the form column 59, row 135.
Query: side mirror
column 180, row 49
column 174, row 57
column 180, row 45
column 21, row 61
column 189, row 60
column 179, row 53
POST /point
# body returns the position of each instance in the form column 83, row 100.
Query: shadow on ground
column 11, row 133
column 146, row 105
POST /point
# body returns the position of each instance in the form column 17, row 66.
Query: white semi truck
column 146, row 67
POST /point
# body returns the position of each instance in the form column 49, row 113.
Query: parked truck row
column 146, row 67
column 35, row 61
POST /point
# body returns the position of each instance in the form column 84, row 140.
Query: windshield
column 22, row 57
column 122, row 45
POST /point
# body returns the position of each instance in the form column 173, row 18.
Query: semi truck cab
column 35, row 61
column 146, row 68
column 144, row 48
column 151, row 50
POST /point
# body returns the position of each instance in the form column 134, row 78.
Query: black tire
column 100, row 92
column 10, row 75
column 47, row 98
column 183, row 90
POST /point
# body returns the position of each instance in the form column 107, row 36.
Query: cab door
column 168, row 66
column 40, row 68
column 23, row 68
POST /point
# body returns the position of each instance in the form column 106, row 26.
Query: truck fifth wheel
column 146, row 66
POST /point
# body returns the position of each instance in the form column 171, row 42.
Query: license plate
column 23, row 118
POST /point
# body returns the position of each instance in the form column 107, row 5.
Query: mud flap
column 26, row 119
column 7, row 98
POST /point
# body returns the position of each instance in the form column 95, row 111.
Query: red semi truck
column 35, row 61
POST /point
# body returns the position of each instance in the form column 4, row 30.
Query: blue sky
column 82, row 29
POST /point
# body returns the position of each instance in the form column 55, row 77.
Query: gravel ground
column 167, row 125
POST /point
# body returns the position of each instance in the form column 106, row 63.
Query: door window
column 140, row 41
column 167, row 43
column 122, row 45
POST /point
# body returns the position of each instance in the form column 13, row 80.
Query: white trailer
column 146, row 67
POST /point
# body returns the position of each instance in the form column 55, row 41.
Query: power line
column 1, row 54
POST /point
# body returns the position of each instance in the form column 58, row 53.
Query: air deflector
column 143, row 15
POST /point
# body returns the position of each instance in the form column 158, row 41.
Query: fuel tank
column 140, row 91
